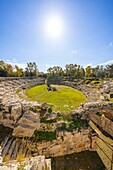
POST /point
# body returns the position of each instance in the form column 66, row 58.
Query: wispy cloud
column 21, row 65
column 106, row 63
column 14, row 62
column 46, row 66
column 73, row 51
column 100, row 64
column 49, row 65
column 110, row 44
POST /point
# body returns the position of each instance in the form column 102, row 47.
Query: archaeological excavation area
column 45, row 135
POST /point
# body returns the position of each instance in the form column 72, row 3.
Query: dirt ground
column 87, row 160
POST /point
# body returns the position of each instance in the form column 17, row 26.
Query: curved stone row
column 92, row 93
column 24, row 116
column 8, row 89
column 13, row 109
column 96, row 103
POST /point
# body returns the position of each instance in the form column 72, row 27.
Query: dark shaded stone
column 111, row 95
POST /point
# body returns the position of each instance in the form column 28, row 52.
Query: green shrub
column 98, row 114
column 44, row 135
column 62, row 127
column 78, row 123
column 49, row 109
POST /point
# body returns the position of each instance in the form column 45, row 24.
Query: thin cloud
column 46, row 66
column 106, row 63
column 74, row 51
column 110, row 44
column 20, row 65
column 14, row 60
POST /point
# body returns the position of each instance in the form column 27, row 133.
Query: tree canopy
column 7, row 70
column 73, row 71
column 77, row 71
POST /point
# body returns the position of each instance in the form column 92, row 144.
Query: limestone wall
column 65, row 143
column 105, row 123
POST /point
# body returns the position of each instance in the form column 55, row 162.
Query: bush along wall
column 44, row 135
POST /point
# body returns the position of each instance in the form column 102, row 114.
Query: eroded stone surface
column 33, row 163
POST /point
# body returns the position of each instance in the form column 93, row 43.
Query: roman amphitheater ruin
column 21, row 117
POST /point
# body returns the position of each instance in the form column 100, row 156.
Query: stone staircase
column 12, row 147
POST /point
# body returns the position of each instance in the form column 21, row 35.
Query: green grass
column 64, row 99
column 111, row 99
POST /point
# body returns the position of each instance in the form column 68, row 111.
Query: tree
column 95, row 71
column 35, row 69
column 9, row 69
column 88, row 71
column 19, row 71
column 31, row 69
column 3, row 71
column 71, row 70
column 109, row 70
column 26, row 73
column 50, row 70
column 82, row 72
column 55, row 71
column 78, row 71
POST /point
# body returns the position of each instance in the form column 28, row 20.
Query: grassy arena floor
column 64, row 99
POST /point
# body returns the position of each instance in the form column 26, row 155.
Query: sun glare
column 54, row 27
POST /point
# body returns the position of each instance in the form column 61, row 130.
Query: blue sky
column 87, row 36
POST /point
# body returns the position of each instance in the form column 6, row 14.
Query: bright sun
column 54, row 27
